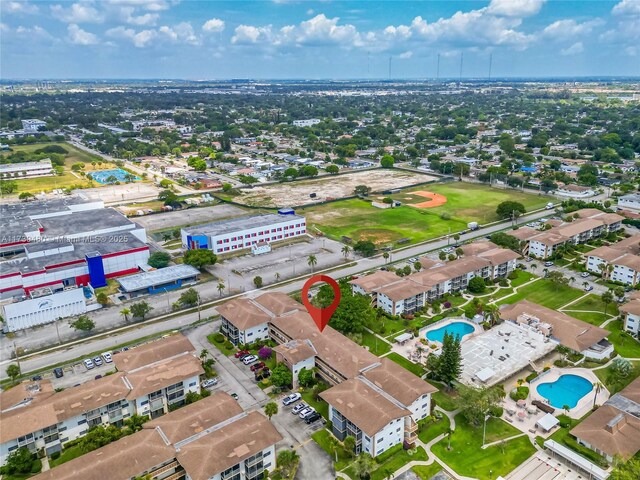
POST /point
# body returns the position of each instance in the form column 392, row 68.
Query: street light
column 484, row 429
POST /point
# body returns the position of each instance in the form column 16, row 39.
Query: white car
column 548, row 264
column 89, row 364
column 210, row 382
column 249, row 359
column 299, row 408
column 306, row 412
column 107, row 357
column 584, row 274
column 289, row 399
column 588, row 288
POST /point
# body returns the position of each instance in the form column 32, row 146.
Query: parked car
column 248, row 360
column 209, row 382
column 97, row 377
column 588, row 288
column 239, row 353
column 306, row 412
column 548, row 264
column 36, row 378
column 264, row 373
column 107, row 357
column 314, row 417
column 257, row 366
column 584, row 274
column 234, row 395
column 298, row 408
column 98, row 361
column 58, row 372
column 289, row 399
column 89, row 364
column 243, row 356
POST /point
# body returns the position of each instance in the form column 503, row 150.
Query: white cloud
column 78, row 36
column 146, row 19
column 139, row 39
column 406, row 55
column 627, row 7
column 515, row 8
column 321, row 30
column 149, row 5
column 77, row 13
column 35, row 31
column 214, row 25
column 574, row 49
column 248, row 34
column 21, row 7
column 180, row 33
column 562, row 29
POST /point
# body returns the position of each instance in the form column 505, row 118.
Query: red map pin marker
column 321, row 315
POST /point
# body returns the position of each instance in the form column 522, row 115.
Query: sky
column 329, row 39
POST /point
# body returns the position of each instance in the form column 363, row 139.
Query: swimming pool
column 566, row 390
column 456, row 328
column 103, row 176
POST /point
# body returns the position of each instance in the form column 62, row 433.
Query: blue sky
column 317, row 39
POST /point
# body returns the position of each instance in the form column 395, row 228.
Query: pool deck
column 585, row 404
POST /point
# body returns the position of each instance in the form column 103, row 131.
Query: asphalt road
column 85, row 347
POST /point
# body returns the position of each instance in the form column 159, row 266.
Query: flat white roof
column 160, row 276
column 576, row 459
column 403, row 338
column 485, row 374
column 547, row 422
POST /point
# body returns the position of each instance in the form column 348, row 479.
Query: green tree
column 510, row 209
column 200, row 258
column 476, row 285
column 82, row 323
column 507, row 143
column 332, row 169
column 281, row 376
column 312, row 261
column 363, row 466
column 346, row 250
column 387, row 161
column 227, row 187
column 350, row 444
column 629, row 470
column 125, row 312
column 220, row 288
column 140, row 309
column 506, row 241
column 257, row 281
column 476, row 403
column 20, row 461
column 102, row 298
column 135, row 423
column 271, row 409
column 607, row 298
column 287, row 461
column 353, row 312
column 25, row 196
column 447, row 366
column 159, row 259
column 306, row 378
column 361, row 190
column 7, row 187
column 189, row 297
column 366, row 248
column 13, row 372
column 169, row 198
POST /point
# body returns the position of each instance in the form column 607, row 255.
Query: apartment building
column 613, row 430
column 631, row 201
column 338, row 360
column 405, row 295
column 618, row 262
column 227, row 236
column 631, row 312
column 149, row 380
column 210, row 439
column 592, row 223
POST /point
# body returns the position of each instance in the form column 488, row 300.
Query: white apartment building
column 150, row 380
column 631, row 312
column 26, row 169
column 227, row 236
column 618, row 262
column 310, row 122
column 296, row 355
column 33, row 125
column 631, row 201
column 244, row 321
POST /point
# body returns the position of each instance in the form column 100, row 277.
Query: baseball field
column 426, row 212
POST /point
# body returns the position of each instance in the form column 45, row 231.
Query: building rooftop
column 278, row 303
column 296, row 351
column 223, row 227
column 368, row 408
column 244, row 313
column 160, row 276
column 375, row 280
column 398, row 382
column 148, row 353
column 84, row 221
column 162, row 374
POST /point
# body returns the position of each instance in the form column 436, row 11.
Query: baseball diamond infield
column 436, row 199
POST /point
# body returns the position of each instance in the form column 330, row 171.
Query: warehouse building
column 228, row 236
column 158, row 281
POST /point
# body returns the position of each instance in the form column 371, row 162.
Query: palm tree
column 585, row 284
column 277, row 276
column 204, row 353
column 545, row 271
column 385, row 255
column 598, row 386
column 571, row 280
column 350, row 444
column 334, row 445
column 534, row 266
column 125, row 312
column 346, row 250
column 312, row 261
column 607, row 298
column 220, row 288
column 491, row 313
column 271, row 409
column 363, row 466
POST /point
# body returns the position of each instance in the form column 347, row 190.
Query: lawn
column 546, row 293
column 593, row 318
column 624, row 344
column 223, row 347
column 467, row 458
column 428, row 430
column 593, row 302
column 321, row 406
column 327, row 441
column 613, row 383
column 374, row 344
column 408, row 364
column 67, row 179
column 445, row 398
column 562, row 436
column 391, row 460
column 426, row 472
column 522, row 277
column 386, row 326
column 67, row 454
column 359, row 220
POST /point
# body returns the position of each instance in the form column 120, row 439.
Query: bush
column 218, row 338
column 496, row 411
column 530, row 377
column 228, row 344
column 55, row 455
column 519, row 393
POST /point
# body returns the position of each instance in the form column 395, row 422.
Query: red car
column 257, row 366
column 241, row 352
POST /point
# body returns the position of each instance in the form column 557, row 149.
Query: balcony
column 166, row 468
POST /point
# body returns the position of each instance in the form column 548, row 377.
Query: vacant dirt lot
column 328, row 188
column 191, row 216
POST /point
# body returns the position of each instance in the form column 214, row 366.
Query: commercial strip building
column 592, row 223
column 26, row 169
column 579, row 336
column 614, row 428
column 361, row 382
column 150, row 380
column 618, row 262
column 49, row 250
column 236, row 234
column 404, row 295
column 210, row 439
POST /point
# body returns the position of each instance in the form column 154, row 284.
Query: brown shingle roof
column 632, row 307
column 367, row 408
column 523, row 233
column 401, row 289
column 375, row 280
column 153, row 377
column 152, row 352
column 243, row 313
column 398, row 382
column 36, row 391
column 577, row 227
column 227, row 446
column 611, row 431
column 571, row 332
column 278, row 303
column 296, row 351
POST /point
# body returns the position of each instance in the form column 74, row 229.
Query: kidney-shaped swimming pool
column 566, row 390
